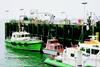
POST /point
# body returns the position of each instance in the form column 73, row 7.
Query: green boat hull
column 25, row 45
column 59, row 63
column 56, row 63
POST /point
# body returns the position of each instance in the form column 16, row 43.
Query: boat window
column 58, row 47
column 28, row 35
column 61, row 46
column 83, row 49
column 22, row 35
column 18, row 36
column 51, row 47
column 72, row 55
column 95, row 46
column 88, row 50
column 55, row 47
column 53, row 41
column 94, row 51
column 13, row 35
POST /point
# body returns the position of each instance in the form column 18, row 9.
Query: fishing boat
column 22, row 40
column 53, row 47
column 84, row 56
column 91, row 40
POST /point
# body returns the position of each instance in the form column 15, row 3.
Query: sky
column 71, row 8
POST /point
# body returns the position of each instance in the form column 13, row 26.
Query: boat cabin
column 53, row 44
column 20, row 36
column 93, row 49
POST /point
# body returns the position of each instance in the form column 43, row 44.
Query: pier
column 64, row 32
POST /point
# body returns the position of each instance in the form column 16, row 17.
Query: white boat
column 86, row 54
column 81, row 56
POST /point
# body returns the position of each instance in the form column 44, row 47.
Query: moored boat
column 86, row 54
column 81, row 56
column 53, row 47
column 91, row 41
column 23, row 40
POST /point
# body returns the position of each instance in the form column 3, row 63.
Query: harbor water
column 10, row 57
column 21, row 58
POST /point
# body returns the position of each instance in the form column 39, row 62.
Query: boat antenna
column 82, row 31
column 20, row 23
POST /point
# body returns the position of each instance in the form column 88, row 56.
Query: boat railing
column 34, row 38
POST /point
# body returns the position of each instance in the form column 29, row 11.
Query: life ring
column 19, row 44
column 14, row 44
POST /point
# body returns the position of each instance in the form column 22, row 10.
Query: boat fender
column 25, row 44
column 14, row 44
column 19, row 44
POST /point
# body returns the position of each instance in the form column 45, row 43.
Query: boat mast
column 82, row 34
column 92, row 24
column 20, row 22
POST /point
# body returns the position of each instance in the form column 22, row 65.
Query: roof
column 53, row 39
column 19, row 33
column 92, row 46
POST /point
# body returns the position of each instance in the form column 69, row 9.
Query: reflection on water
column 10, row 57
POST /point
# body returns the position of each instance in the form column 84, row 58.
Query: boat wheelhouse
column 23, row 40
column 84, row 56
column 20, row 36
column 53, row 47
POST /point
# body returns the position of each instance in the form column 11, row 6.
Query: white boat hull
column 51, row 52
